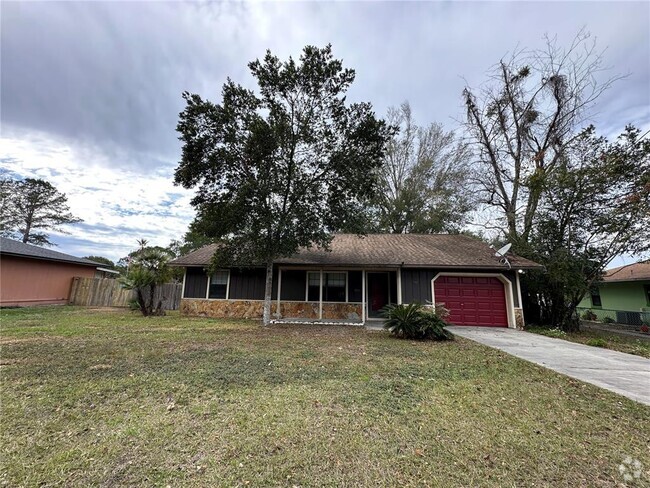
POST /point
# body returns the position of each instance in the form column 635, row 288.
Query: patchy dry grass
column 599, row 338
column 106, row 398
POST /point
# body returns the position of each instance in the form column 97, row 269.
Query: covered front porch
column 333, row 295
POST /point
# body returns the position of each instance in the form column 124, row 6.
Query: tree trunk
column 152, row 289
column 511, row 222
column 266, row 317
column 159, row 311
column 570, row 318
column 141, row 302
column 28, row 227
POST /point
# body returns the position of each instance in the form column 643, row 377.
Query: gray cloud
column 103, row 81
column 108, row 75
column 111, row 74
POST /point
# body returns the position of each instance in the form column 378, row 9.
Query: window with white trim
column 334, row 287
column 313, row 287
column 219, row 285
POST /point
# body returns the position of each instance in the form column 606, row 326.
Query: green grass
column 597, row 338
column 105, row 398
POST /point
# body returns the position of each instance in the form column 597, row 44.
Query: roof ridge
column 613, row 271
column 618, row 269
column 633, row 271
column 398, row 234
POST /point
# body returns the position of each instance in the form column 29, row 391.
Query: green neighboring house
column 623, row 295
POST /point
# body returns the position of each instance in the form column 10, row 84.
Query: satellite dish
column 502, row 252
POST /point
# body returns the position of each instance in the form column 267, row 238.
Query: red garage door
column 473, row 300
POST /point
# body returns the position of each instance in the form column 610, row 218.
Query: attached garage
column 474, row 300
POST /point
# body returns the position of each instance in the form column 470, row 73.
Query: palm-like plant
column 414, row 321
column 147, row 270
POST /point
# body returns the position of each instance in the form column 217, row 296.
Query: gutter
column 41, row 258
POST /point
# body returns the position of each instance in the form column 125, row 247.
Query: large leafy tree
column 30, row 207
column 9, row 221
column 522, row 121
column 424, row 179
column 281, row 167
column 525, row 127
column 596, row 206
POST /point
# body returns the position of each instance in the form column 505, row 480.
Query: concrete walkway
column 625, row 374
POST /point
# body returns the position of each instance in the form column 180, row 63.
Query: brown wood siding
column 247, row 284
column 416, row 285
column 294, row 285
column 196, row 283
column 510, row 275
column 25, row 281
column 392, row 283
column 354, row 286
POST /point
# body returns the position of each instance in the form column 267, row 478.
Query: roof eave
column 41, row 258
column 383, row 265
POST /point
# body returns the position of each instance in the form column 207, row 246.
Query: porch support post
column 184, row 278
column 399, row 286
column 520, row 321
column 363, row 296
column 277, row 309
column 521, row 305
column 320, row 297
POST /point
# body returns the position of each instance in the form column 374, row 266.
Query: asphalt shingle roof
column 410, row 250
column 16, row 248
column 629, row 272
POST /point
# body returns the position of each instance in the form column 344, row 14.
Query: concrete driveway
column 625, row 374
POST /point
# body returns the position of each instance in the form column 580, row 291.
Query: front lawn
column 600, row 338
column 108, row 398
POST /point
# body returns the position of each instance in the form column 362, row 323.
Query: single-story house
column 32, row 275
column 623, row 295
column 359, row 275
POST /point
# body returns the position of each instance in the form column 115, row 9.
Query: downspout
column 278, row 309
column 399, row 284
column 363, row 296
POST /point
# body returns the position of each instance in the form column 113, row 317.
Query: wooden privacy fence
column 106, row 292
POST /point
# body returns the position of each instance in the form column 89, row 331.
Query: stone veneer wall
column 309, row 311
column 342, row 311
column 296, row 310
column 224, row 309
column 519, row 319
column 252, row 309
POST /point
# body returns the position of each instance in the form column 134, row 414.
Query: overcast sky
column 91, row 91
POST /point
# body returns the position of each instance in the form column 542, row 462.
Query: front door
column 378, row 293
